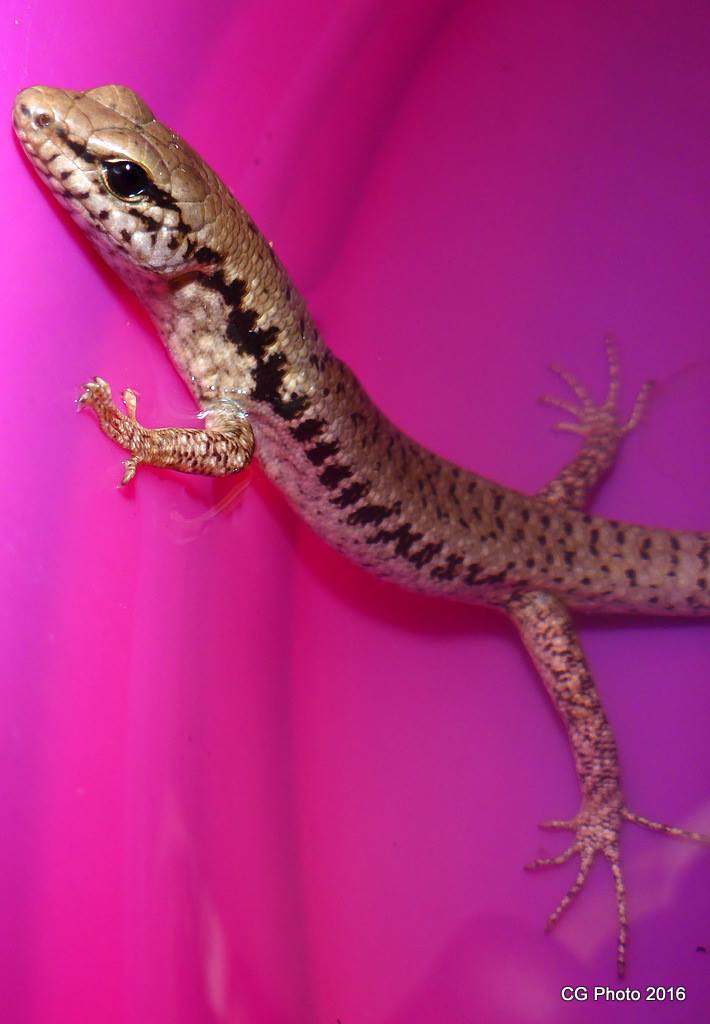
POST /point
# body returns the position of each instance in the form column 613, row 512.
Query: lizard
column 241, row 337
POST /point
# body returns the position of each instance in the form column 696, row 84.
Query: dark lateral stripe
column 369, row 515
column 157, row 195
column 406, row 537
column 308, row 429
column 333, row 475
column 205, row 255
column 403, row 535
column 151, row 223
column 165, row 201
column 350, row 495
column 270, row 369
column 449, row 571
column 424, row 555
column 76, row 147
column 321, row 451
column 473, row 578
column 268, row 377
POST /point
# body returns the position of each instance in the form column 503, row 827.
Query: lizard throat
column 219, row 344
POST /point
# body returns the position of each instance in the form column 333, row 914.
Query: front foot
column 121, row 428
column 217, row 452
column 597, row 831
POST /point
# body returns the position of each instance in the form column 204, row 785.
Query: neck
column 238, row 327
column 193, row 320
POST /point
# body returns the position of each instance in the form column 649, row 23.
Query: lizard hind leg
column 548, row 634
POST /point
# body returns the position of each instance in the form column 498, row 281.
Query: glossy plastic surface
column 239, row 779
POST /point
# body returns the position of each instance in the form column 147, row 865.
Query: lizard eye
column 126, row 179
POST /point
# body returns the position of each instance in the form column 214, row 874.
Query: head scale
column 147, row 200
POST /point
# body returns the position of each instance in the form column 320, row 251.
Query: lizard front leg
column 215, row 452
column 549, row 636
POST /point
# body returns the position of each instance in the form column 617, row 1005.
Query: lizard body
column 242, row 339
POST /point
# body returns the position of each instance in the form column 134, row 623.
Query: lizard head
column 148, row 201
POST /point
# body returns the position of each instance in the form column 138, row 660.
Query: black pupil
column 126, row 179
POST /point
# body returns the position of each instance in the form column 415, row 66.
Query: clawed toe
column 640, row 406
column 575, row 384
column 668, row 830
column 129, row 470
column 549, row 862
column 574, row 889
column 557, row 823
column 96, row 391
column 130, row 399
column 561, row 403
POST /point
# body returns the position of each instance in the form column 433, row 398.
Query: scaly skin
column 242, row 339
column 547, row 632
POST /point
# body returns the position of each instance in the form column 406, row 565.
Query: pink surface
column 240, row 780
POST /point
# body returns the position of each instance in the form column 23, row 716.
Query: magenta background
column 239, row 779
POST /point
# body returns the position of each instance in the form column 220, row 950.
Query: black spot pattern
column 368, row 515
column 322, row 451
column 308, row 429
column 256, row 341
column 350, row 495
column 333, row 475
